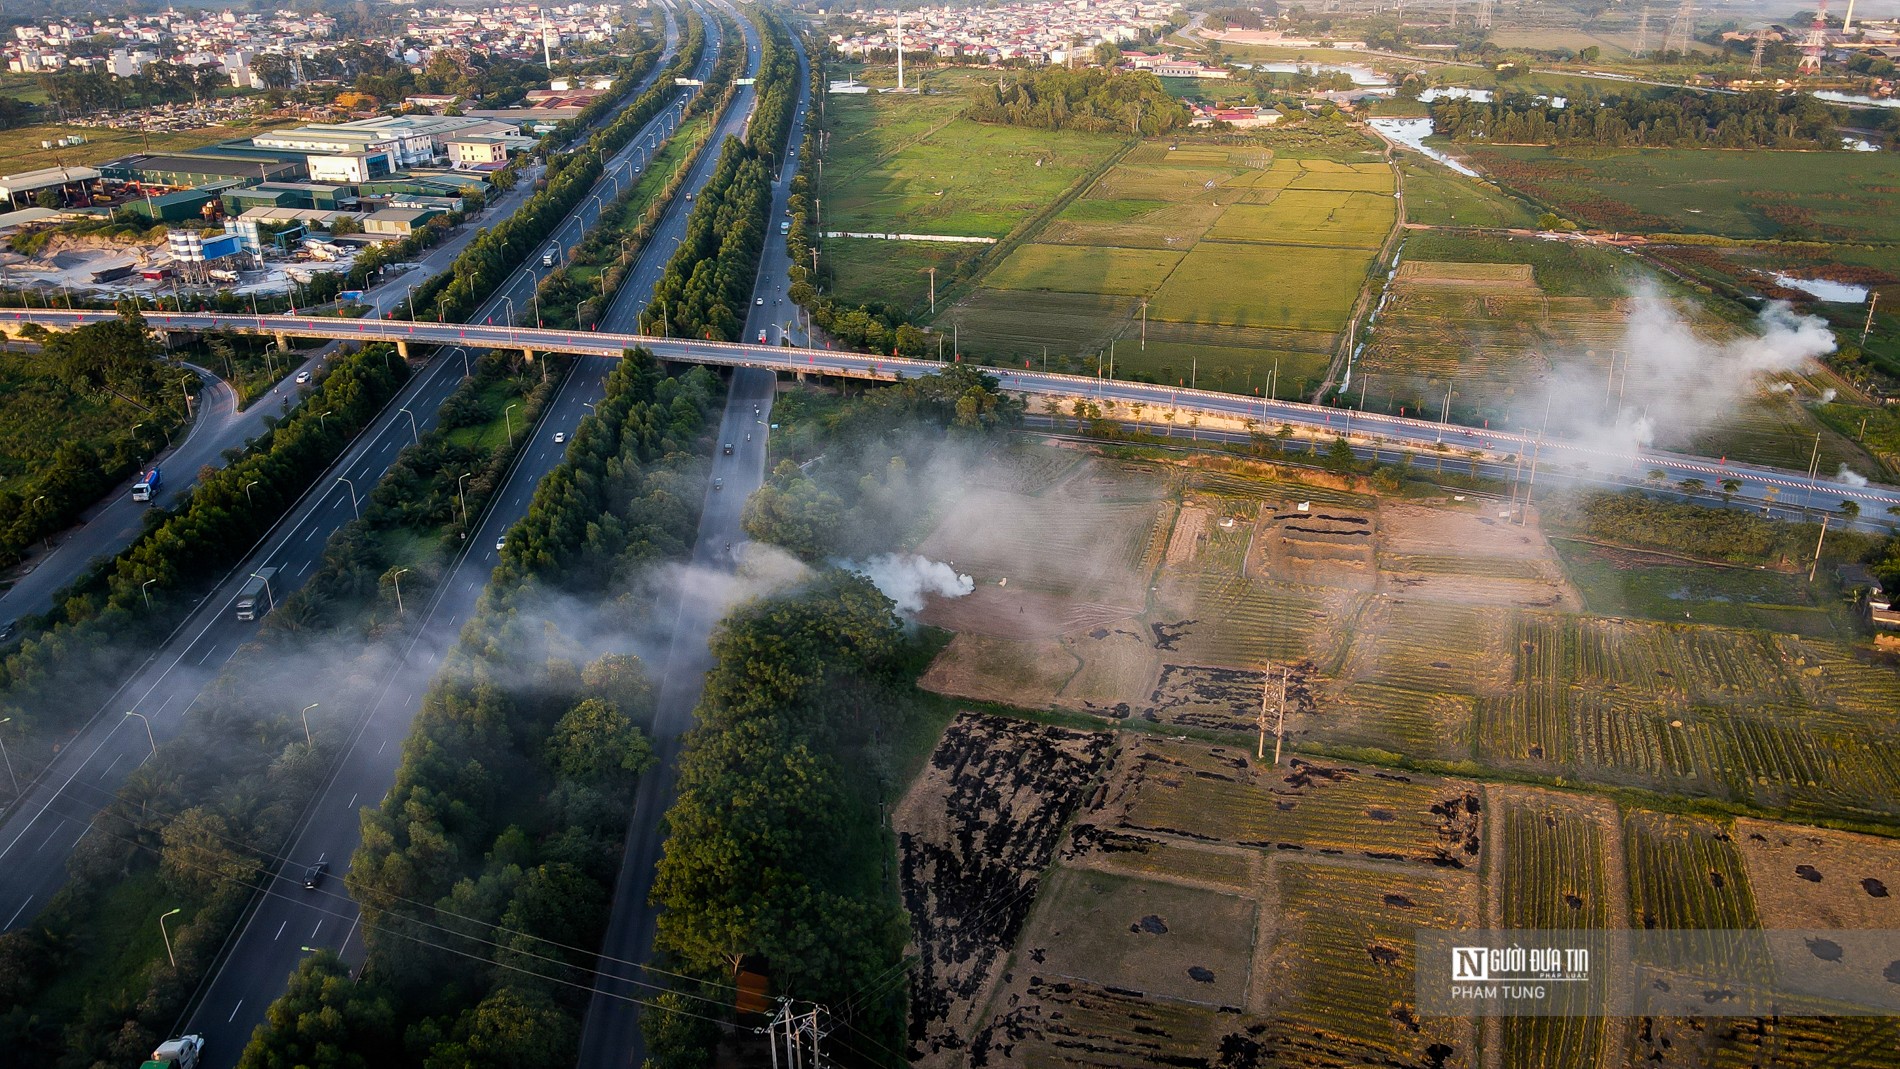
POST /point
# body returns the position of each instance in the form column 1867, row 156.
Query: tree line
column 706, row 289
column 113, row 366
column 1094, row 100
column 486, row 872
column 775, row 844
column 1758, row 119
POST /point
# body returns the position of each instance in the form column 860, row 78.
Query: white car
column 760, row 302
column 560, row 437
column 500, row 542
column 303, row 377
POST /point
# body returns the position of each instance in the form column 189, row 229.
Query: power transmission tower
column 1681, row 29
column 1761, row 42
column 1816, row 42
column 798, row 1035
column 1484, row 14
column 1642, row 33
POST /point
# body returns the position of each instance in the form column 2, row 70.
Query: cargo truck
column 256, row 589
column 148, row 485
column 180, row 1053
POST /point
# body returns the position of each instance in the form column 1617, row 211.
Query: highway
column 57, row 809
column 267, row 947
column 112, row 524
column 610, row 1035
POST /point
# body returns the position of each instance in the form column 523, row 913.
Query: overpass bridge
column 1581, row 461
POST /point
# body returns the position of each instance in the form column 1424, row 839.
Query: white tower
column 900, row 53
column 1681, row 29
column 1642, row 33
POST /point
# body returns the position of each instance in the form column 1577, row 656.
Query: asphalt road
column 610, row 1035
column 288, row 918
column 57, row 809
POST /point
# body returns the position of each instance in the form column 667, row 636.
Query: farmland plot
column 1343, row 965
column 1556, row 866
column 974, row 832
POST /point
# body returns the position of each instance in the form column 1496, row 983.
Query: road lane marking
column 110, row 767
column 280, row 930
column 314, row 931
column 312, row 534
column 17, row 912
column 208, row 652
column 49, row 836
column 234, row 1009
column 384, row 746
column 306, row 567
column 82, row 835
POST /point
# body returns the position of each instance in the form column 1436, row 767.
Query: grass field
column 1620, row 583
column 20, row 148
column 1836, row 196
column 896, row 273
column 1438, row 197
column 908, row 164
column 1245, row 260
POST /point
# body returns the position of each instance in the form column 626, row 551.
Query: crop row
column 1346, row 963
column 1552, row 876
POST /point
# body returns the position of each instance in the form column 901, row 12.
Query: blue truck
column 148, row 485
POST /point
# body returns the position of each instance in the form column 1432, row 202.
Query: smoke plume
column 1850, row 477
column 906, row 578
column 1672, row 383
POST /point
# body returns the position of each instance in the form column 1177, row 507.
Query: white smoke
column 1782, row 387
column 1850, row 477
column 1827, row 395
column 1674, row 383
column 906, row 578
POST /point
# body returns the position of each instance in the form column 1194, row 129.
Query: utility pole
column 1279, row 729
column 1260, row 750
column 1817, row 547
column 1873, row 298
column 1144, row 324
column 933, row 291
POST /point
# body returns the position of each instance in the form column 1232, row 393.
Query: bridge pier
column 283, row 342
column 527, row 354
column 402, row 348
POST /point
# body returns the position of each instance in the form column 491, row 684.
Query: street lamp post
column 509, row 422
column 163, row 934
column 148, row 730
column 304, row 713
column 8, row 761
column 248, row 500
column 414, row 434
column 460, row 496
column 270, row 599
column 398, row 581
column 352, row 486
column 144, row 594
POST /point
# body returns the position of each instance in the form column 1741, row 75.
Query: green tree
column 594, row 741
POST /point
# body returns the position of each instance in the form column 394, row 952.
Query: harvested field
column 1088, row 550
column 1129, row 934
column 982, row 668
column 1805, row 877
column 1493, row 278
column 1197, row 696
column 1215, row 794
column 974, row 833
column 1341, row 965
column 1320, row 546
column 1556, row 865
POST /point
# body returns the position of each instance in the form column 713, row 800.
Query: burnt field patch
column 974, row 833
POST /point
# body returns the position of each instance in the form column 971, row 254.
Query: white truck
column 180, row 1053
column 256, row 589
